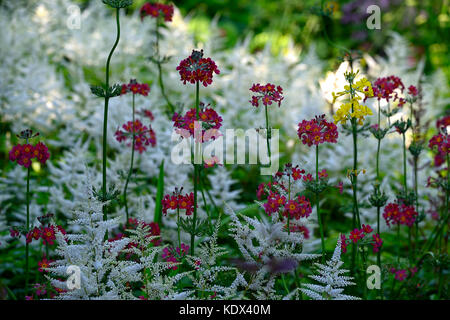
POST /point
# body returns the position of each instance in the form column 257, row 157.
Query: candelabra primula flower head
column 266, row 94
column 387, row 88
column 208, row 122
column 352, row 109
column 317, row 131
column 156, row 10
column 400, row 214
column 118, row 4
column 178, row 201
column 135, row 88
column 195, row 69
column 144, row 136
column 23, row 154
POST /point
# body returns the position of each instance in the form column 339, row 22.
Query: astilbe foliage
column 103, row 276
column 263, row 244
column 331, row 279
column 207, row 278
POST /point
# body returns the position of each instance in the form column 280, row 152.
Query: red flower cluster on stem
column 157, row 9
column 267, row 94
column 399, row 214
column 317, row 131
column 358, row 234
column 195, row 68
column 441, row 141
column 135, row 88
column 144, row 136
column 177, row 201
column 47, row 234
column 24, row 153
column 385, row 88
column 209, row 122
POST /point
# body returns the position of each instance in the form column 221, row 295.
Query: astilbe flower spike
column 195, row 68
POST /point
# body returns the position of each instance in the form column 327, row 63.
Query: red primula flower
column 48, row 235
column 267, row 94
column 385, row 88
column 44, row 264
column 412, row 90
column 178, row 201
column 195, row 69
column 356, row 235
column 399, row 214
column 157, row 9
column 143, row 136
column 377, row 242
column 135, row 88
column 208, row 123
column 24, row 153
column 344, row 243
column 317, row 131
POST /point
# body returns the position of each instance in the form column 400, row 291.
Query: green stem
column 160, row 77
column 404, row 165
column 178, row 227
column 105, row 119
column 268, row 134
column 194, row 221
column 27, row 249
column 131, row 164
column 355, row 171
column 319, row 218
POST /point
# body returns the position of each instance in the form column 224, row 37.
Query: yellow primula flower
column 343, row 113
column 359, row 112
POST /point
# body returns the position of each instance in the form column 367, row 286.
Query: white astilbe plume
column 332, row 282
column 208, row 272
column 261, row 243
column 102, row 275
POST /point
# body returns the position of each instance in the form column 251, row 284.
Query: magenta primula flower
column 156, row 10
column 266, row 94
column 144, row 136
column 135, row 88
column 195, row 69
column 317, row 131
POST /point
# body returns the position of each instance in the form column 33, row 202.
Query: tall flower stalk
column 145, row 136
column 159, row 11
column 108, row 92
column 23, row 155
column 353, row 111
column 316, row 132
column 267, row 94
column 195, row 69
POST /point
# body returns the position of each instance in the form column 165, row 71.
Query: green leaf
column 159, row 195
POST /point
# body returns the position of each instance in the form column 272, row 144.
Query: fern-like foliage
column 102, row 274
column 331, row 279
column 211, row 279
column 268, row 249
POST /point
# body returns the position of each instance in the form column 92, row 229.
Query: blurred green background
column 424, row 23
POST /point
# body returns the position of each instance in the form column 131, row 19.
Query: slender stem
column 268, row 135
column 178, row 227
column 105, row 119
column 160, row 76
column 27, row 249
column 355, row 171
column 131, row 164
column 197, row 104
column 404, row 165
column 319, row 218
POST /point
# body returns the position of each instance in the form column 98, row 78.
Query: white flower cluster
column 331, row 279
